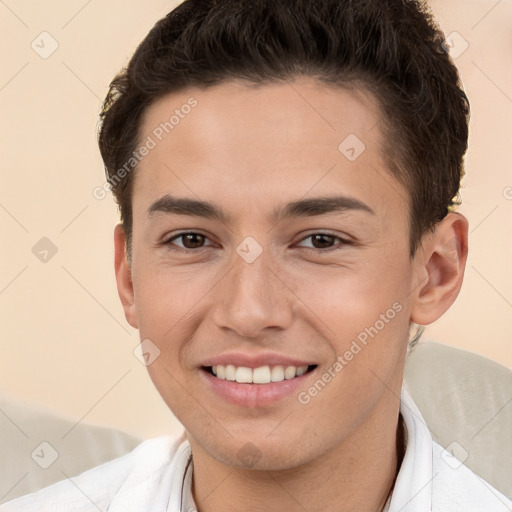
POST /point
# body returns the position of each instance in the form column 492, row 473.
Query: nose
column 252, row 298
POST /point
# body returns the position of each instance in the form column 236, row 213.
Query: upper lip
column 255, row 360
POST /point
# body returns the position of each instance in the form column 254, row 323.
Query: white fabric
column 157, row 477
column 465, row 397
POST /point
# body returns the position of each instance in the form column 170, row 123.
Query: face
column 299, row 263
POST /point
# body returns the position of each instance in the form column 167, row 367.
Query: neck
column 356, row 476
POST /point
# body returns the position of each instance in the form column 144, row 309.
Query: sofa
column 465, row 399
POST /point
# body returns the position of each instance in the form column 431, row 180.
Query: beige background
column 65, row 343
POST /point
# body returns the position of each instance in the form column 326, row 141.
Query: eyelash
column 168, row 243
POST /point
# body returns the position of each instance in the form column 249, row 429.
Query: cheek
column 363, row 313
column 165, row 297
column 355, row 294
column 166, row 306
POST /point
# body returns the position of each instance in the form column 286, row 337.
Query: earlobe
column 441, row 270
column 124, row 277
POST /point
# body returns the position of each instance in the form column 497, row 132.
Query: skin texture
column 250, row 150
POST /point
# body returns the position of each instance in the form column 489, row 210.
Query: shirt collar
column 413, row 486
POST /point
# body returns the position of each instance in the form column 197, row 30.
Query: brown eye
column 322, row 241
column 325, row 241
column 190, row 241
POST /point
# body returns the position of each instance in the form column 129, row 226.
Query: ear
column 124, row 277
column 440, row 269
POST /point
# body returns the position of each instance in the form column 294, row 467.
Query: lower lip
column 254, row 395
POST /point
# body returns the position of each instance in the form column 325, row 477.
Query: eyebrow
column 302, row 208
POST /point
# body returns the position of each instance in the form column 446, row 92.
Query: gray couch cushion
column 466, row 401
column 39, row 447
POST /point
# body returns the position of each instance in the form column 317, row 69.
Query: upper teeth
column 260, row 375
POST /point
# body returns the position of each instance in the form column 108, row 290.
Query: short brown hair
column 394, row 48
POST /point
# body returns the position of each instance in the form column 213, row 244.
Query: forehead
column 241, row 143
column 305, row 108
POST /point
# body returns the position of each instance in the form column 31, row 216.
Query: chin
column 251, row 452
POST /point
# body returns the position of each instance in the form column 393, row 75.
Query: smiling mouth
column 260, row 375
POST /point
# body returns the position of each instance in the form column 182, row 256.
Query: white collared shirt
column 157, row 476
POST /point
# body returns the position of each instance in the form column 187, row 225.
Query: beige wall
column 65, row 342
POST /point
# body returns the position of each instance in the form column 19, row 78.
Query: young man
column 286, row 172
